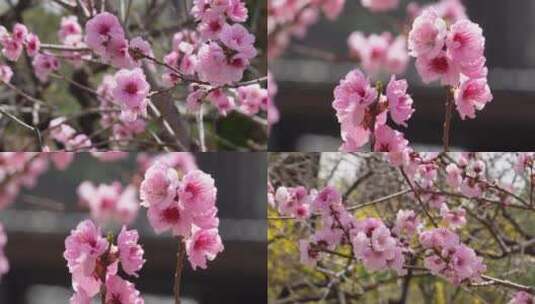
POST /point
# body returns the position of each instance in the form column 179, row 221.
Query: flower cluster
column 228, row 48
column 14, row 43
column 130, row 90
column 181, row 58
column 381, row 245
column 67, row 136
column 370, row 239
column 186, row 207
column 361, row 109
column 110, row 118
column 109, row 202
column 105, row 36
column 448, row 257
column 454, row 54
column 379, row 52
column 70, row 34
column 44, row 64
column 93, row 262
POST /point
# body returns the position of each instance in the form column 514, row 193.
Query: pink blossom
column 221, row 101
column 465, row 264
column 251, row 98
column 61, row 131
column 292, row 199
column 5, row 73
column 351, row 96
column 380, row 5
column 130, row 252
column 427, row 35
column 197, row 191
column 44, row 64
column 19, row 32
column 440, row 67
column 215, row 67
column 78, row 143
column 130, row 92
column 472, row 95
column 470, row 187
column 454, row 178
column 33, row 44
column 121, row 291
column 237, row 11
column 237, row 38
column 455, row 218
column 159, row 185
column 399, row 102
column 202, row 246
column 195, row 98
column 465, row 41
column 211, row 25
column 172, row 217
column 407, row 223
column 117, row 53
column 375, row 246
column 69, row 26
column 438, row 238
column 100, row 30
column 142, row 46
column 11, row 47
column 435, row 264
column 325, row 199
column 522, row 297
column 82, row 249
column 389, row 140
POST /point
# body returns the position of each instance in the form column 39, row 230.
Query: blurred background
column 306, row 84
column 40, row 219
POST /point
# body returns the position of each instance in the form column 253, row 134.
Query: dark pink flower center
column 104, row 29
column 201, row 242
column 470, row 92
column 171, row 215
column 214, row 26
column 440, row 65
column 131, row 88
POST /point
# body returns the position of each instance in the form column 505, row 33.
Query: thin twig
column 417, row 195
column 27, row 126
column 179, row 268
column 448, row 108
